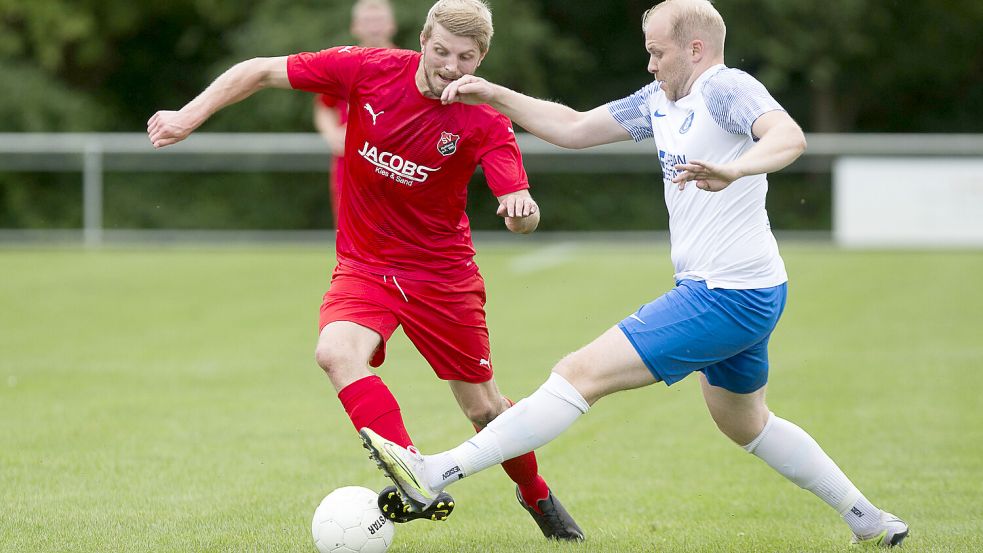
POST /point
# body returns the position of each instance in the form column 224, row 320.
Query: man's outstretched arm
column 553, row 122
column 238, row 83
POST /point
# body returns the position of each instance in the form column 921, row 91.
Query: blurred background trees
column 107, row 65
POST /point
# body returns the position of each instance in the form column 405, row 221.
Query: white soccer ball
column 348, row 520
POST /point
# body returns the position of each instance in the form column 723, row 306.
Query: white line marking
column 543, row 258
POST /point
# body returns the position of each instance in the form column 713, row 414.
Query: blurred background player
column 373, row 26
column 718, row 132
column 405, row 255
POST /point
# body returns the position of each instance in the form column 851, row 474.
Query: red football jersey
column 409, row 160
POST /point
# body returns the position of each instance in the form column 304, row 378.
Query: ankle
column 533, row 492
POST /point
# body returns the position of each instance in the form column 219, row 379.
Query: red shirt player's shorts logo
column 447, row 144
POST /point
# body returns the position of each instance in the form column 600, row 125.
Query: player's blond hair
column 467, row 18
column 692, row 20
column 371, row 4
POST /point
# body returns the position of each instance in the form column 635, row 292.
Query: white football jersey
column 723, row 238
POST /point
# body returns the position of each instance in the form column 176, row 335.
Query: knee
column 576, row 370
column 483, row 412
column 743, row 429
column 335, row 361
column 736, row 434
column 571, row 368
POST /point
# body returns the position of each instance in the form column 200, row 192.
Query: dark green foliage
column 602, row 202
column 41, row 200
column 107, row 65
column 282, row 201
column 841, row 64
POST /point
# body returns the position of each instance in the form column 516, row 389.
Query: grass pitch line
column 543, row 258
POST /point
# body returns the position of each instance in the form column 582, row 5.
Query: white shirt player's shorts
column 723, row 333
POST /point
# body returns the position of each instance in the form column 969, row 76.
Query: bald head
column 692, row 20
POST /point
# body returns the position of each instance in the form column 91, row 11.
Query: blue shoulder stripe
column 631, row 112
column 736, row 100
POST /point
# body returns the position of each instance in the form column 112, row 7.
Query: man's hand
column 516, row 206
column 169, row 127
column 708, row 176
column 520, row 211
column 469, row 90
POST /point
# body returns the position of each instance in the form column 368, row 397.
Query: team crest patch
column 447, row 144
column 687, row 123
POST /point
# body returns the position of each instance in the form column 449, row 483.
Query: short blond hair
column 467, row 18
column 691, row 20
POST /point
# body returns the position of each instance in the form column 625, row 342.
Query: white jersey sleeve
column 735, row 100
column 631, row 112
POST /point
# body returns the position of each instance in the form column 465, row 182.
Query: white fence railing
column 93, row 154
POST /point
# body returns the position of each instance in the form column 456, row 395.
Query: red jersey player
column 373, row 25
column 405, row 255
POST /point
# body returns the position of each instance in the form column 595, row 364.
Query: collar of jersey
column 710, row 71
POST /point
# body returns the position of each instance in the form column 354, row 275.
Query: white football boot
column 404, row 467
column 892, row 531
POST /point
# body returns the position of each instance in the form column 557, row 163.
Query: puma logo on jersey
column 346, row 50
column 368, row 108
column 484, row 363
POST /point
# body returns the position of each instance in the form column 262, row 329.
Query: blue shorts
column 723, row 333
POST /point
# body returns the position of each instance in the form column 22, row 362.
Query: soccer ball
column 348, row 520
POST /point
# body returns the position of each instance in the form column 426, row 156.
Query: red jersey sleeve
column 332, row 71
column 501, row 159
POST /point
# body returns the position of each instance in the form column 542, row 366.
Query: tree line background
column 107, row 65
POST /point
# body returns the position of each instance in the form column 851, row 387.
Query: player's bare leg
column 606, row 365
column 343, row 352
column 745, row 419
column 482, row 403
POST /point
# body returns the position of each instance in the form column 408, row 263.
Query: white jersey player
column 718, row 133
column 723, row 239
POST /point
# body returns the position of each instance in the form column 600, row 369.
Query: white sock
column 864, row 519
column 527, row 425
column 795, row 455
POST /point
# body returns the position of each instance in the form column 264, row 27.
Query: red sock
column 524, row 471
column 369, row 403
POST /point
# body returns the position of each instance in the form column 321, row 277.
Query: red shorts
column 444, row 320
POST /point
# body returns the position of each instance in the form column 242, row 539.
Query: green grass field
column 167, row 400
